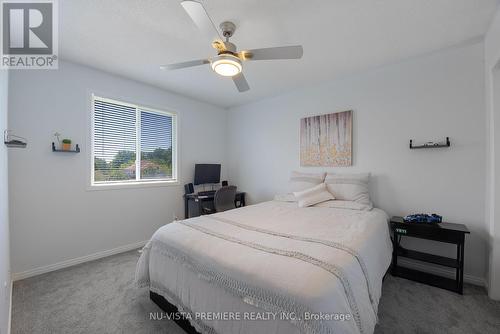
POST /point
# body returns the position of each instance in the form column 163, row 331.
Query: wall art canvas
column 326, row 140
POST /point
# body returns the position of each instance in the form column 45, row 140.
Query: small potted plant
column 66, row 144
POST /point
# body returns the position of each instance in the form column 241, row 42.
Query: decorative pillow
column 302, row 181
column 339, row 204
column 285, row 198
column 349, row 187
column 313, row 195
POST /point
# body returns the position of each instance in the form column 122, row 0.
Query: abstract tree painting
column 326, row 140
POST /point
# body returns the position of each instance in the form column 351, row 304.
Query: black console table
column 443, row 232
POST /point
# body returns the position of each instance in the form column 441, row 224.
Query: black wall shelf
column 76, row 150
column 13, row 140
column 15, row 143
column 431, row 144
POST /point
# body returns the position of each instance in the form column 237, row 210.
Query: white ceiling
column 132, row 38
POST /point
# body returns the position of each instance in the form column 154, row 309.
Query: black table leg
column 394, row 251
column 462, row 254
column 457, row 274
column 200, row 207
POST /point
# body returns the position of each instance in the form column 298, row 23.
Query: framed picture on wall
column 326, row 140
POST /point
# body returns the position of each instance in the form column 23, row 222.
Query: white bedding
column 264, row 268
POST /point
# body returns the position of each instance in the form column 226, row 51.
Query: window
column 132, row 144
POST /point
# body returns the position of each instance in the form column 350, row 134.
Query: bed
column 271, row 268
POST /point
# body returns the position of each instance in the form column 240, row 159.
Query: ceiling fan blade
column 281, row 52
column 200, row 17
column 191, row 63
column 241, row 83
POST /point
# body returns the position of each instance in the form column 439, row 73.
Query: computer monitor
column 206, row 173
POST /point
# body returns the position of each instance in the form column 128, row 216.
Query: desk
column 239, row 201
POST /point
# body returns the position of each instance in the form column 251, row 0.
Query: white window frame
column 137, row 183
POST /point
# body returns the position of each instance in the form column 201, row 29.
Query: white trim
column 9, row 324
column 450, row 273
column 132, row 185
column 78, row 260
column 175, row 148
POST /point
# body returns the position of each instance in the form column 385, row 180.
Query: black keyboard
column 206, row 193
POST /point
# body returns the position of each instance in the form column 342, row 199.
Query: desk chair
column 223, row 200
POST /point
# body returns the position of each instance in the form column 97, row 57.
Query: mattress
column 272, row 268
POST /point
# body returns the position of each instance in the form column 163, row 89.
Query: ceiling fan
column 229, row 61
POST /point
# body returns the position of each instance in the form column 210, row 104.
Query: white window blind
column 156, row 146
column 132, row 143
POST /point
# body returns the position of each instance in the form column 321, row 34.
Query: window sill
column 133, row 185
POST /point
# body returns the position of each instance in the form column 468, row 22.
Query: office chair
column 223, row 200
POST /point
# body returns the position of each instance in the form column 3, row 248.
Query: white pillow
column 339, row 204
column 285, row 198
column 302, row 181
column 349, row 187
column 313, row 195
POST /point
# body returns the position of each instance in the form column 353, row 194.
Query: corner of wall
column 492, row 79
column 9, row 324
column 5, row 268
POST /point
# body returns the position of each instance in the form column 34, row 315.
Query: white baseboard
column 450, row 273
column 78, row 260
column 9, row 324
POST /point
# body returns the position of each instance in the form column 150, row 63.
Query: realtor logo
column 29, row 34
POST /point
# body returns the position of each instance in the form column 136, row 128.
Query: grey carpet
column 99, row 297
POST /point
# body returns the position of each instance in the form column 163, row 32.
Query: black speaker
column 188, row 188
column 225, row 184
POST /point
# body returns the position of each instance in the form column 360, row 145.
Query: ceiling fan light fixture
column 227, row 65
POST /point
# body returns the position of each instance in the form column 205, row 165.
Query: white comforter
column 272, row 268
